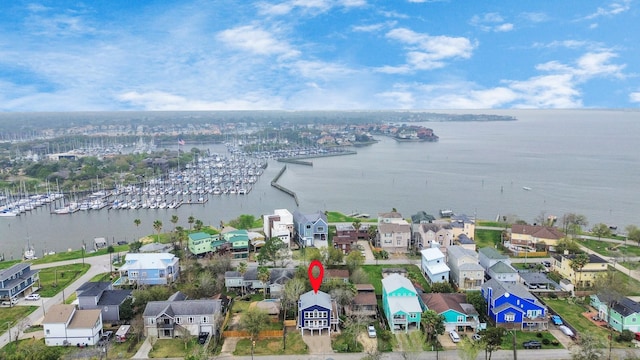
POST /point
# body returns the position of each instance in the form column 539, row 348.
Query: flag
column 180, row 142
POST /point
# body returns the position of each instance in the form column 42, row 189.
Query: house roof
column 93, row 288
column 232, row 274
column 299, row 217
column 390, row 215
column 199, row 236
column 147, row 261
column 181, row 308
column 155, row 247
column 461, row 218
column 465, row 240
column 311, row 298
column 492, row 253
column 502, row 268
column 59, row 313
column 435, row 227
column 85, row 319
column 440, row 303
column 541, row 232
column 394, row 282
column 394, row 228
column 177, row 296
column 9, row 272
column 502, row 288
column 457, row 252
column 537, row 278
column 280, row 276
column 438, row 268
column 337, row 273
column 364, row 287
column 365, row 298
column 114, row 297
column 626, row 307
column 404, row 304
column 432, row 254
column 422, row 216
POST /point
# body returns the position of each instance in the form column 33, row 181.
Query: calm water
column 583, row 161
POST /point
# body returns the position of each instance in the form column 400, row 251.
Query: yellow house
column 526, row 237
column 586, row 276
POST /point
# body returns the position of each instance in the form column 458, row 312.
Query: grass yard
column 609, row 249
column 77, row 254
column 571, row 313
column 173, row 348
column 7, row 264
column 522, row 336
column 487, row 238
column 11, row 315
column 123, row 350
column 335, row 217
column 273, row 346
column 54, row 279
column 632, row 285
column 375, row 275
column 412, row 341
column 493, row 224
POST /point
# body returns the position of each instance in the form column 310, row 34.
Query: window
column 320, row 228
column 399, row 241
column 48, row 331
column 510, row 317
column 191, row 320
column 205, row 319
column 460, row 318
column 178, row 320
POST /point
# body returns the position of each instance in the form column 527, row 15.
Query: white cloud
column 373, row 27
column 504, row 27
column 163, row 101
column 427, row 52
column 256, row 40
column 491, row 22
column 634, row 97
column 615, row 8
column 535, row 17
column 306, row 6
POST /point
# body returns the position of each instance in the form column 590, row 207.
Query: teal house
column 400, row 302
column 625, row 313
column 239, row 240
column 457, row 313
column 201, row 243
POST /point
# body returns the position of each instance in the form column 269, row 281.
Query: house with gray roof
column 168, row 319
column 489, row 256
column 317, row 311
column 102, row 296
column 503, row 272
column 512, row 306
column 17, row 280
column 149, row 269
column 311, row 229
column 466, row 273
column 66, row 325
column 466, row 242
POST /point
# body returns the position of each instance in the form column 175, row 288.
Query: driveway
column 318, row 344
column 370, row 344
column 368, row 254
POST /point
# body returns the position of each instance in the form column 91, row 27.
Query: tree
column 610, row 290
column 469, row 349
column 180, row 235
column 573, row 223
column 343, row 295
column 358, row 276
column 356, row 225
column 198, row 225
column 332, row 256
column 191, row 220
column 313, row 254
column 633, row 233
column 292, row 291
column 137, row 222
column 432, row 324
column 253, row 321
column 271, row 251
column 157, row 226
column 263, row 276
column 567, row 244
column 577, row 263
column 243, row 222
column 601, row 230
column 242, row 269
column 441, row 287
column 492, row 338
column 479, row 303
column 589, row 347
column 354, row 260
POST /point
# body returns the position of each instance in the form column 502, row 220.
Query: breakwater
column 275, row 184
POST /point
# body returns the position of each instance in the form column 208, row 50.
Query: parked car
column 11, row 302
column 372, row 331
column 32, row 297
column 202, row 338
column 476, row 337
column 454, row 336
column 565, row 330
column 532, row 344
column 557, row 320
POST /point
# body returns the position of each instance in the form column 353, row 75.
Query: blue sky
column 318, row 54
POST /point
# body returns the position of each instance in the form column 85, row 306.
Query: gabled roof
column 309, row 218
column 432, row 254
column 593, row 259
column 199, row 236
column 501, row 288
column 281, row 276
column 465, row 240
column 114, row 297
column 85, row 319
column 59, row 313
column 93, row 288
column 182, row 308
column 177, row 296
column 8, row 273
column 337, row 273
column 492, row 253
column 626, row 307
column 311, row 298
column 365, row 298
column 394, row 282
column 390, row 215
column 442, row 302
column 435, row 227
column 364, row 287
column 135, row 261
column 438, row 268
column 458, row 252
column 394, row 228
column 502, row 268
column 541, row 232
column 404, row 304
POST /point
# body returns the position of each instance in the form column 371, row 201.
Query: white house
column 434, row 265
column 279, row 224
column 149, row 269
column 66, row 325
column 466, row 273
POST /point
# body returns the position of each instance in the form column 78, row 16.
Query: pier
column 275, row 184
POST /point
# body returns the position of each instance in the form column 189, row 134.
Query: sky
column 318, row 55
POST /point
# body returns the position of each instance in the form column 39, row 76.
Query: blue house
column 513, row 306
column 149, row 269
column 311, row 229
column 17, row 280
column 317, row 311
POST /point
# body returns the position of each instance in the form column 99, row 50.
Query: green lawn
column 487, row 238
column 7, row 264
column 609, row 249
column 632, row 285
column 54, row 279
column 493, row 224
column 571, row 313
column 334, row 217
column 77, row 254
column 522, row 336
column 273, row 346
column 375, row 275
column 11, row 315
column 412, row 341
column 173, row 348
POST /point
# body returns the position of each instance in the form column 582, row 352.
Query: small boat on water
column 526, row 188
column 29, row 252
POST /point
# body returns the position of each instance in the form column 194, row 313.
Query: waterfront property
column 65, row 325
column 532, row 237
column 400, row 302
column 512, row 306
column 458, row 314
column 171, row 318
column 149, row 269
column 17, row 280
column 624, row 314
column 102, row 296
column 582, row 278
column 394, row 233
column 311, row 229
column 426, row 235
column 239, row 242
column 347, row 236
column 317, row 311
column 279, row 224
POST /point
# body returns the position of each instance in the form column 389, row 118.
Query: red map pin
column 317, row 281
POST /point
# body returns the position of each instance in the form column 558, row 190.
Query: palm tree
column 174, row 220
column 137, row 223
column 263, row 276
column 157, row 225
column 180, row 234
column 242, row 269
column 191, row 220
column 577, row 263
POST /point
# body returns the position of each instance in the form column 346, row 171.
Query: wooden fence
column 245, row 334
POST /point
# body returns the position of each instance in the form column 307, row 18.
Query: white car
column 32, row 297
column 10, row 303
column 454, row 336
column 372, row 331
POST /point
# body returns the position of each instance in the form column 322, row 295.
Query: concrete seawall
column 275, row 184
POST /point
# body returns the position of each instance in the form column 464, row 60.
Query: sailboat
column 29, row 252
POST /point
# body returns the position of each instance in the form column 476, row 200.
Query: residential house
column 463, row 225
column 251, row 281
column 425, row 235
column 238, row 240
column 532, row 237
column 155, row 248
column 400, row 302
column 625, row 312
column 467, row 243
column 17, row 280
column 233, row 279
column 202, row 243
column 584, row 277
column 390, row 217
column 311, row 229
column 149, row 269
column 277, row 279
column 497, row 266
column 394, row 237
column 466, row 273
column 337, row 275
column 279, row 224
column 169, row 319
column 488, row 256
column 102, row 296
column 317, row 311
column 458, row 314
column 513, row 306
column 364, row 303
column 65, row 324
column 538, row 280
column 347, row 236
column 434, row 265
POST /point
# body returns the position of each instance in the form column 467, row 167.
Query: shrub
column 546, row 341
column 539, row 334
column 555, row 343
column 553, row 296
column 626, row 336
